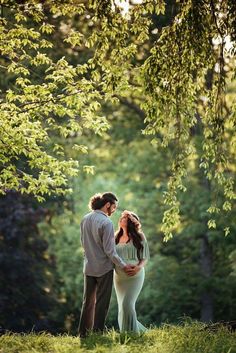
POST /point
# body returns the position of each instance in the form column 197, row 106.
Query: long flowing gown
column 127, row 288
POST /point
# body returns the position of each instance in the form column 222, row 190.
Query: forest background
column 86, row 92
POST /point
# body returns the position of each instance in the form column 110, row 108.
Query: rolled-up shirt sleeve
column 108, row 241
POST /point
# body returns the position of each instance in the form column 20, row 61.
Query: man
column 98, row 241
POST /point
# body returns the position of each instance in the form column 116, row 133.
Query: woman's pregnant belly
column 121, row 273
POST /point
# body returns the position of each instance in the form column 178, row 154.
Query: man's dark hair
column 97, row 201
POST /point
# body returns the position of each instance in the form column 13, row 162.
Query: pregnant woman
column 132, row 247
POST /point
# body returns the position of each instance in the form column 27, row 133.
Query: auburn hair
column 135, row 235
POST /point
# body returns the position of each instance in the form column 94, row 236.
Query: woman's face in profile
column 123, row 221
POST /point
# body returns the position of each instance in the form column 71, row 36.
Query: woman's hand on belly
column 133, row 270
column 136, row 268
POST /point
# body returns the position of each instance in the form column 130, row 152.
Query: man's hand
column 127, row 268
column 132, row 270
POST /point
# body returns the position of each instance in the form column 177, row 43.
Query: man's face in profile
column 112, row 208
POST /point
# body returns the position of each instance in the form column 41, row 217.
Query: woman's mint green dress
column 127, row 288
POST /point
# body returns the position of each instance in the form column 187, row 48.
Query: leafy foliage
column 45, row 98
column 176, row 92
column 156, row 85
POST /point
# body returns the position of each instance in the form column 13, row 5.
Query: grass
column 185, row 338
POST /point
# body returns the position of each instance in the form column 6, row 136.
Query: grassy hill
column 187, row 338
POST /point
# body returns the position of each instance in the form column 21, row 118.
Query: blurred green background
column 193, row 274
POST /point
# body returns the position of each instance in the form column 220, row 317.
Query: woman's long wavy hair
column 133, row 234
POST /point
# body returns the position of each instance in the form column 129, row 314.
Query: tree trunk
column 206, row 270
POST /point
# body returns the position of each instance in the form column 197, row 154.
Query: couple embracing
column 126, row 250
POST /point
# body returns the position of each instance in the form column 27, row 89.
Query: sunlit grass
column 185, row 338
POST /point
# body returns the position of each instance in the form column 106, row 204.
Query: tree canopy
column 177, row 75
column 145, row 94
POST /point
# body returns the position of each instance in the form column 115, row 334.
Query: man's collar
column 99, row 211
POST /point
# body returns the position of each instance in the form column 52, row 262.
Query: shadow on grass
column 111, row 338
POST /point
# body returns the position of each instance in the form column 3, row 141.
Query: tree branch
column 132, row 106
